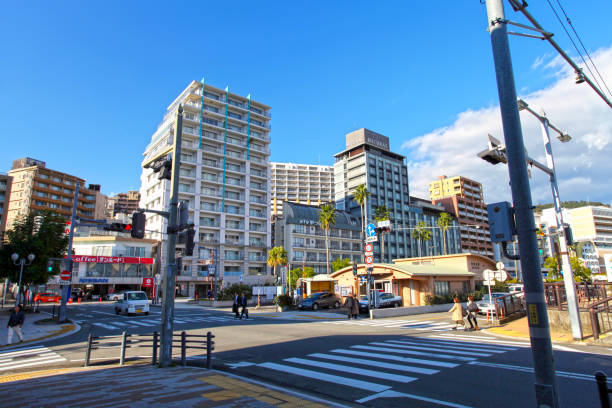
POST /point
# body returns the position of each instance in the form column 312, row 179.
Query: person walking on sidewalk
column 242, row 302
column 235, row 306
column 15, row 323
column 457, row 314
column 348, row 303
column 472, row 310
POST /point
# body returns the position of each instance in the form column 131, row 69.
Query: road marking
column 397, row 367
column 240, row 364
column 28, row 357
column 489, row 340
column 396, row 358
column 355, row 370
column 390, row 349
column 422, row 346
column 133, row 322
column 482, row 346
column 566, row 374
column 26, row 350
column 395, row 394
column 363, row 385
column 563, row 348
column 106, row 326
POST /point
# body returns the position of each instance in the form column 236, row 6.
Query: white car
column 114, row 296
column 517, row 288
column 133, row 302
column 486, row 305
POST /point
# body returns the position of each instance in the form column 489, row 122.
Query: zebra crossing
column 418, row 325
column 28, row 357
column 120, row 324
column 381, row 366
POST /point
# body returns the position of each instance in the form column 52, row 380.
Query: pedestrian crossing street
column 124, row 323
column 418, row 325
column 28, row 357
column 379, row 366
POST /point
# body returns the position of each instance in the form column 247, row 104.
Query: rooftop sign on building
column 363, row 135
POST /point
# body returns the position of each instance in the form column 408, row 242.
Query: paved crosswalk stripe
column 27, row 350
column 33, row 363
column 27, row 357
column 41, row 356
column 491, row 340
column 410, row 325
column 134, row 322
column 396, row 358
column 363, row 385
column 481, row 346
column 106, row 326
column 391, row 366
column 443, row 349
column 489, row 348
column 354, row 370
column 389, row 349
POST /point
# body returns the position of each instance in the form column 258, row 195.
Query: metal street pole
column 66, row 288
column 568, row 274
column 539, row 331
column 18, row 298
column 167, row 315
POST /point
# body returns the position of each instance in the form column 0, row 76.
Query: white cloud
column 584, row 165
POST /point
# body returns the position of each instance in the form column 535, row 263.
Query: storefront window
column 131, row 270
column 95, row 269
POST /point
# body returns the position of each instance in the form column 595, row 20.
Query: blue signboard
column 370, row 230
column 93, row 280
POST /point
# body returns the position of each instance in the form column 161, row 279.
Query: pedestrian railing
column 603, row 389
column 124, row 341
column 599, row 313
column 509, row 304
column 586, row 294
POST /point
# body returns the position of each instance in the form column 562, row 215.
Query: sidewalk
column 146, row 386
column 520, row 329
column 34, row 332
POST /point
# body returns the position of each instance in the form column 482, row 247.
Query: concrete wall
column 559, row 321
column 407, row 311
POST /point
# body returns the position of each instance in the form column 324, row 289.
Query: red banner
column 112, row 259
column 147, row 282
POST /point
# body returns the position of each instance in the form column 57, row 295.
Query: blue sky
column 83, row 88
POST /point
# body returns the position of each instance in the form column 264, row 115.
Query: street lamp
column 22, row 262
column 568, row 275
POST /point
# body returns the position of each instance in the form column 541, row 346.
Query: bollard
column 210, row 346
column 79, row 300
column 154, row 348
column 69, row 300
column 88, row 350
column 100, row 299
column 602, row 388
column 183, row 348
column 123, row 341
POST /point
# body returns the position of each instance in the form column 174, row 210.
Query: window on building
column 441, row 287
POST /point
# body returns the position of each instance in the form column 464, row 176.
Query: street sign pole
column 539, row 331
column 66, row 288
column 167, row 312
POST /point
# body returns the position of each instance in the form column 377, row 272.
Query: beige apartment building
column 35, row 187
column 125, row 203
column 463, row 198
column 5, row 192
column 301, row 184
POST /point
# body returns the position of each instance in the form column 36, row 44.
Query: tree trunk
column 444, row 240
column 382, row 257
column 362, row 233
column 327, row 249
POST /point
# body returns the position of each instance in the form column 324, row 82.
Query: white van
column 133, row 302
column 517, row 288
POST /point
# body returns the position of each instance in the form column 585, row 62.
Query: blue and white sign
column 370, row 230
column 211, row 270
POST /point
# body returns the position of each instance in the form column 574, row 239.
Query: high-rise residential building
column 101, row 201
column 224, row 173
column 368, row 160
column 36, row 187
column 463, row 198
column 423, row 210
column 300, row 183
column 125, row 203
column 299, row 232
column 5, row 193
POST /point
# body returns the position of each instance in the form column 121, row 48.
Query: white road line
column 33, row 364
column 563, row 348
column 363, row 385
column 391, row 366
column 400, row 344
column 106, row 326
column 396, row 358
column 24, row 351
column 447, row 346
column 104, row 313
column 179, row 321
column 411, row 325
column 459, row 343
column 491, row 340
column 41, row 357
column 438, row 327
column 566, row 374
column 121, row 323
column 395, row 394
column 416, row 353
column 134, row 322
column 352, row 370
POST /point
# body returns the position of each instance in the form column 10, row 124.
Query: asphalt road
column 415, row 361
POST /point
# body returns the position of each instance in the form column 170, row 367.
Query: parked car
column 76, row 293
column 517, row 288
column 133, row 302
column 47, row 297
column 385, row 299
column 486, row 305
column 115, row 296
column 92, row 296
column 319, row 300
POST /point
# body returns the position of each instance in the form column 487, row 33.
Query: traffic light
column 49, row 266
column 569, row 236
column 164, row 168
column 118, row 227
column 138, row 225
column 189, row 244
column 183, row 209
column 355, row 269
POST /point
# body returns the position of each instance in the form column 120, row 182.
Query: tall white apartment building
column 301, row 184
column 224, row 179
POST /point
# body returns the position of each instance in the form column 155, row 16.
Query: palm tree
column 444, row 223
column 421, row 233
column 277, row 256
column 360, row 196
column 327, row 218
column 382, row 214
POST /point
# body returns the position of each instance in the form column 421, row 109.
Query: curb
column 68, row 329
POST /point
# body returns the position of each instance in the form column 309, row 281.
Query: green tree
column 421, row 233
column 360, row 196
column 444, row 222
column 327, row 218
column 552, row 265
column 382, row 214
column 41, row 234
column 298, row 273
column 277, row 256
column 581, row 272
column 340, row 263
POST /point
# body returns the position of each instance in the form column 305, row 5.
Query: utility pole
column 167, row 315
column 539, row 331
column 69, row 263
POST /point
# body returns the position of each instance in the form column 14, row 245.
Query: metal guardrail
column 509, row 304
column 125, row 340
column 602, row 389
column 599, row 313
